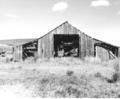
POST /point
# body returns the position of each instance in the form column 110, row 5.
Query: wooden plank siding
column 118, row 52
column 102, row 53
column 17, row 55
column 46, row 43
column 86, row 44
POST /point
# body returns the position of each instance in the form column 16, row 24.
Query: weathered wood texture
column 86, row 42
column 17, row 54
column 102, row 53
column 119, row 52
column 46, row 43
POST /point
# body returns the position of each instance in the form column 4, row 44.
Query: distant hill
column 14, row 42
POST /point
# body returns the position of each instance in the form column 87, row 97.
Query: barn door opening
column 66, row 45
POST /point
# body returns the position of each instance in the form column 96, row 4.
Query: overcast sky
column 33, row 18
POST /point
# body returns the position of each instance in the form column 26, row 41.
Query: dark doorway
column 30, row 49
column 66, row 45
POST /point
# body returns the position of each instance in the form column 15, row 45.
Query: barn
column 66, row 41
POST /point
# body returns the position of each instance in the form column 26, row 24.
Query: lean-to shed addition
column 66, row 41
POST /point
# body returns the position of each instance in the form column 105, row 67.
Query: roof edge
column 53, row 29
column 66, row 22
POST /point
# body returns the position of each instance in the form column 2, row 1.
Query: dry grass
column 93, row 60
column 63, row 77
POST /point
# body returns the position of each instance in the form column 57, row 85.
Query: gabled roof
column 54, row 29
column 66, row 22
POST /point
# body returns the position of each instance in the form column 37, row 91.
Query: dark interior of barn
column 66, row 45
column 29, row 49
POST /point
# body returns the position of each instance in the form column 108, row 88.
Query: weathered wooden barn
column 66, row 41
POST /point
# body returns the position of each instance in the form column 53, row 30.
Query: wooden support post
column 118, row 52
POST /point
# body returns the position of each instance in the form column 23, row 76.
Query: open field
column 65, row 77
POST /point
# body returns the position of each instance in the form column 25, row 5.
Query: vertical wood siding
column 102, row 53
column 17, row 53
column 46, row 43
column 119, row 52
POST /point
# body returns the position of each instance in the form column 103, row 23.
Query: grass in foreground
column 63, row 78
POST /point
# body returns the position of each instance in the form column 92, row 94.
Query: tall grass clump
column 69, row 73
column 68, row 85
column 71, row 85
column 115, row 65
